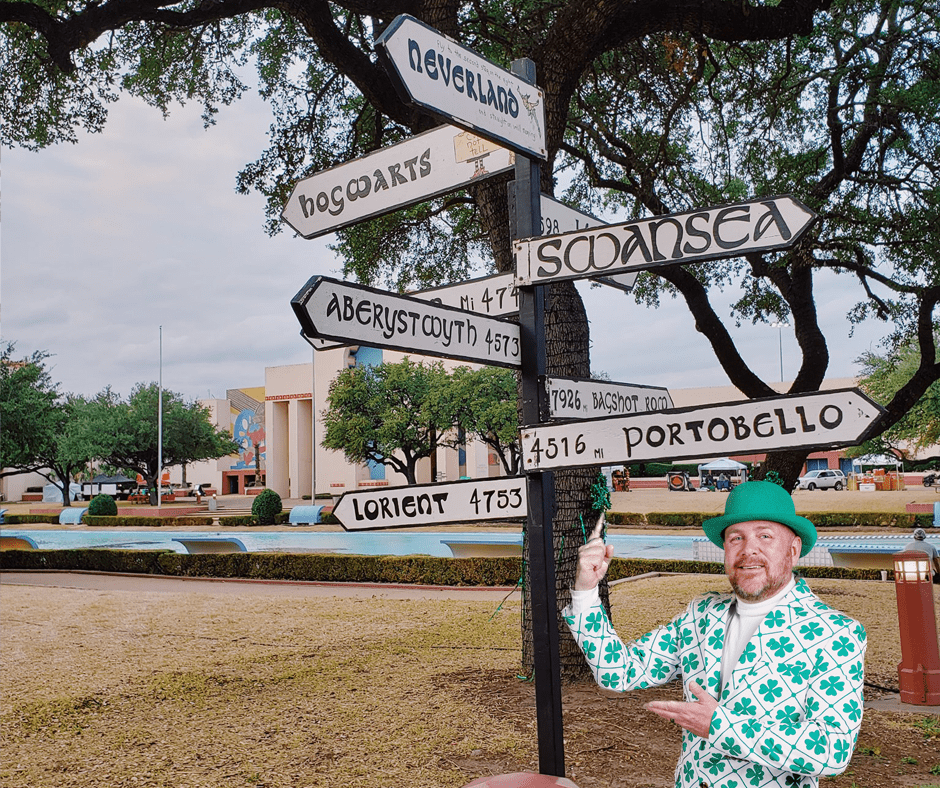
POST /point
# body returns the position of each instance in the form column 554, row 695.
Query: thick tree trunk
column 786, row 463
column 568, row 341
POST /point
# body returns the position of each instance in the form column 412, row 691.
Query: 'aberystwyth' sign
column 840, row 417
column 758, row 225
column 357, row 315
column 450, row 80
column 433, row 504
column 416, row 169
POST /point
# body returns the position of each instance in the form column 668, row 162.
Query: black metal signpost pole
column 526, row 223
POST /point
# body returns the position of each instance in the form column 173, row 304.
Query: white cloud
column 140, row 226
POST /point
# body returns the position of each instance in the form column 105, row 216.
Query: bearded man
column 772, row 676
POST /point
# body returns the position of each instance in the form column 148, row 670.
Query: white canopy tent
column 876, row 461
column 724, row 465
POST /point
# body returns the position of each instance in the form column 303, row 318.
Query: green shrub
column 102, row 505
column 141, row 521
column 420, row 570
column 266, row 506
column 26, row 519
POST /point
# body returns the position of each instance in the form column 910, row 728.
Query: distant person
column 772, row 676
column 920, row 543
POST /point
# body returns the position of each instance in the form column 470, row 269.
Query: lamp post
column 919, row 669
column 780, row 325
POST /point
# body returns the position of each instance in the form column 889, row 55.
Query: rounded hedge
column 266, row 506
column 102, row 505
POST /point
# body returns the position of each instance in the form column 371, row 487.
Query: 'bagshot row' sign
column 827, row 418
column 703, row 234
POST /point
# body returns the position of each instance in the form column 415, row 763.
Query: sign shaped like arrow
column 560, row 218
column 571, row 398
column 433, row 504
column 840, row 417
column 416, row 169
column 494, row 296
column 356, row 315
column 759, row 225
column 450, row 80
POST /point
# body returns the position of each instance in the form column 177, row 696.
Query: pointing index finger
column 596, row 533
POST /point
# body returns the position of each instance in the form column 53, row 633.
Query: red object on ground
column 919, row 669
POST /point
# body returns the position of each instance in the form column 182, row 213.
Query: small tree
column 882, row 377
column 102, row 505
column 125, row 433
column 484, row 403
column 266, row 507
column 41, row 430
column 394, row 414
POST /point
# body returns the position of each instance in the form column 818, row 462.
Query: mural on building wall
column 247, row 428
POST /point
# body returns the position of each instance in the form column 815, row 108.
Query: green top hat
column 760, row 501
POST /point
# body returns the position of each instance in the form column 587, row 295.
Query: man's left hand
column 694, row 716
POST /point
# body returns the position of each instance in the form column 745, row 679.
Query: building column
column 277, row 447
column 302, row 481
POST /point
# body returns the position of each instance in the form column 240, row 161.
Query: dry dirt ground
column 114, row 689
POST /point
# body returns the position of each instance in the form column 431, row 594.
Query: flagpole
column 160, row 426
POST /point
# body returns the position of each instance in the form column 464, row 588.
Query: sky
column 104, row 242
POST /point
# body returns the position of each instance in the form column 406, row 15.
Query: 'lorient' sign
column 758, row 225
column 450, row 80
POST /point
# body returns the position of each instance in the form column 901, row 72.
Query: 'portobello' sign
column 839, row 417
column 758, row 225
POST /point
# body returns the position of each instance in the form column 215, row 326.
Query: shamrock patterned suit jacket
column 791, row 708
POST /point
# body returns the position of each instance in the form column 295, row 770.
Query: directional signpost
column 421, row 167
column 759, row 225
column 357, row 315
column 505, row 109
column 571, row 398
column 434, row 504
column 840, row 417
column 454, row 82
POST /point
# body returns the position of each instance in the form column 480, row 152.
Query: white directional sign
column 557, row 217
column 357, row 315
column 823, row 419
column 494, row 296
column 417, row 169
column 433, row 504
column 560, row 218
column 571, row 398
column 450, row 80
column 762, row 224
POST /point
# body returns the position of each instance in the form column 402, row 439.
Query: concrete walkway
column 101, row 581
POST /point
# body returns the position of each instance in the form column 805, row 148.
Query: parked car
column 824, row 480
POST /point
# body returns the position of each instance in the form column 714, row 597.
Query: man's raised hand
column 593, row 559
